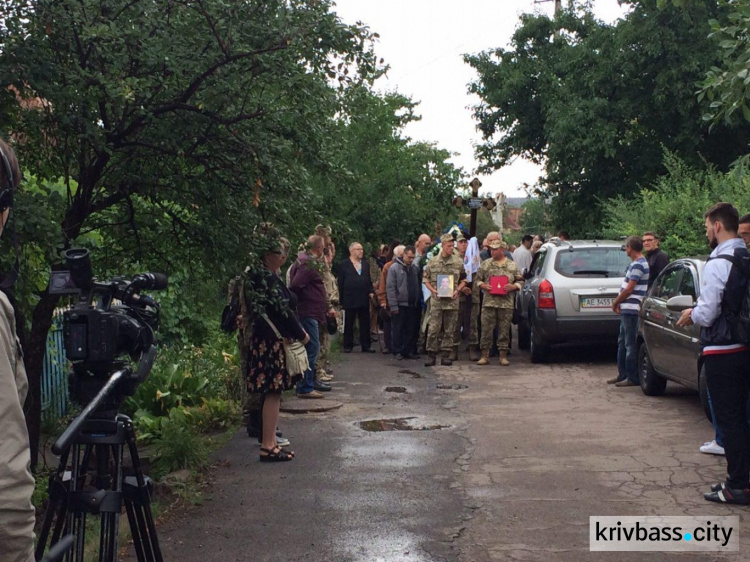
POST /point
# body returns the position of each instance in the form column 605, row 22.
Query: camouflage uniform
column 464, row 302
column 497, row 310
column 332, row 301
column 443, row 310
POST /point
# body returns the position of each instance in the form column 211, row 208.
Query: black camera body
column 110, row 325
column 99, row 336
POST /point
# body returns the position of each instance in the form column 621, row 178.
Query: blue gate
column 55, row 372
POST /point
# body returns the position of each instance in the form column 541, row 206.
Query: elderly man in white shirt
column 522, row 256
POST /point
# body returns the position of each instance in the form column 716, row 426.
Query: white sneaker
column 711, row 448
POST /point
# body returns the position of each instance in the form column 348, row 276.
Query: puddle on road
column 413, row 374
column 397, row 424
column 395, row 389
column 452, row 386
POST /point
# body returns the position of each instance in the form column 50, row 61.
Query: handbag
column 233, row 308
column 332, row 325
column 295, row 354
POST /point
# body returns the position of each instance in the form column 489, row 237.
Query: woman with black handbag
column 267, row 373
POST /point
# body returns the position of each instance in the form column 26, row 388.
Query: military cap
column 497, row 244
column 460, row 237
column 445, row 238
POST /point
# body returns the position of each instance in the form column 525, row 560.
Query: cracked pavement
column 530, row 453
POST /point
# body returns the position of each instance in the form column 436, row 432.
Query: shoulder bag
column 295, row 354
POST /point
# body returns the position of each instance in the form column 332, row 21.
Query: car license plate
column 597, row 302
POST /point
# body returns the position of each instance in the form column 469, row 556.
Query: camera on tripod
column 110, row 320
column 111, row 325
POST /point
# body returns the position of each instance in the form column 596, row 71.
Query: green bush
column 190, row 390
column 179, row 445
column 186, row 376
column 673, row 207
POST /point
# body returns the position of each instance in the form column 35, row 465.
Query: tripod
column 91, row 479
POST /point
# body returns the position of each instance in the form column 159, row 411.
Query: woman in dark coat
column 267, row 374
column 355, row 291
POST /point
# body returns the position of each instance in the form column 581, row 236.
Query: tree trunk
column 36, row 347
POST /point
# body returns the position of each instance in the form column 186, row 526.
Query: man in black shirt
column 657, row 260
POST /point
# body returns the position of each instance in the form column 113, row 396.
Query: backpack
column 739, row 320
column 233, row 308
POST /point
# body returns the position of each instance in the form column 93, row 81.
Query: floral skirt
column 267, row 369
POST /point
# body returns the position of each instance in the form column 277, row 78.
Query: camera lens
column 78, row 261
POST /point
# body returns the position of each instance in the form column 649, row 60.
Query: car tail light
column 546, row 297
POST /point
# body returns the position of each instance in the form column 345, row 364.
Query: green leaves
column 596, row 103
column 673, row 206
column 382, row 185
column 726, row 86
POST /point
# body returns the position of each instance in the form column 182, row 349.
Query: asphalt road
column 527, row 453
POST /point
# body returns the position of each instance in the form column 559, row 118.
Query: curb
column 306, row 405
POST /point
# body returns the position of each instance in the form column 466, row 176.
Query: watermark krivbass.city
column 664, row 533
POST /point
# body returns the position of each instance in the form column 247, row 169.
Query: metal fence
column 55, row 371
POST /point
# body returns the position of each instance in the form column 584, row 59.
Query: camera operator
column 16, row 482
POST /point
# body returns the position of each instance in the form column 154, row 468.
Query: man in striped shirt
column 627, row 304
column 723, row 286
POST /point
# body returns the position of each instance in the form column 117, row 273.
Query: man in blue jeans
column 627, row 304
column 306, row 282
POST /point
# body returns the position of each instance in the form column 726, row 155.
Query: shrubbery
column 673, row 207
column 191, row 391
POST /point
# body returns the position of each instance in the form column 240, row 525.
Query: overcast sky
column 423, row 42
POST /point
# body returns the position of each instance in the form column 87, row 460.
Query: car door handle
column 670, row 318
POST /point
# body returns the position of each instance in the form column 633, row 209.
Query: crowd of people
column 426, row 298
column 414, row 299
column 422, row 298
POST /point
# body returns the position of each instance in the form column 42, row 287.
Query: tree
column 673, row 206
column 172, row 127
column 535, row 218
column 597, row 103
column 725, row 86
column 383, row 185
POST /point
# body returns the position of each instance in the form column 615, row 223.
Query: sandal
column 275, row 455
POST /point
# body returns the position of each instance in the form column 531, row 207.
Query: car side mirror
column 680, row 303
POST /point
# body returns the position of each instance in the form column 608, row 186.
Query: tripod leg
column 76, row 518
column 138, row 504
column 109, row 477
column 56, row 509
column 135, row 529
column 66, row 521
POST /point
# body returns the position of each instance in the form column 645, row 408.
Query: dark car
column 568, row 295
column 667, row 352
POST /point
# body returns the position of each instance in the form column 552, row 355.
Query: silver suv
column 568, row 295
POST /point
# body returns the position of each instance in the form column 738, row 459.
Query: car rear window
column 592, row 262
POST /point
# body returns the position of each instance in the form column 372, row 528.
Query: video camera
column 110, row 320
column 99, row 332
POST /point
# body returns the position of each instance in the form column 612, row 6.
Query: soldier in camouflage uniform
column 497, row 310
column 323, row 364
column 464, row 299
column 443, row 310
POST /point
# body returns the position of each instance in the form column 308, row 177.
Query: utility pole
column 558, row 5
